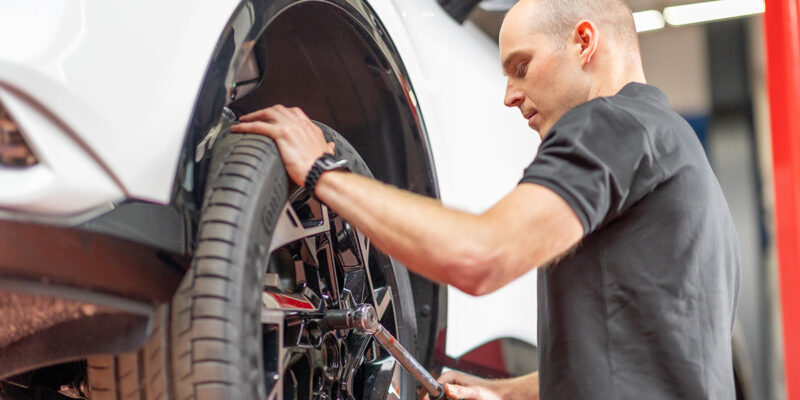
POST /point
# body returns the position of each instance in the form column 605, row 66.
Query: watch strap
column 323, row 164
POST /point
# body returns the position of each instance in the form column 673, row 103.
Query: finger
column 264, row 114
column 458, row 378
column 259, row 127
column 462, row 392
column 448, row 377
column 422, row 394
column 331, row 147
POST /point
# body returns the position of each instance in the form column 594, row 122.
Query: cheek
column 561, row 83
column 543, row 78
column 536, row 84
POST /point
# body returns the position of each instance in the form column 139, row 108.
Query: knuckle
column 261, row 126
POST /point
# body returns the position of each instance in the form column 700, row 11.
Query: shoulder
column 602, row 116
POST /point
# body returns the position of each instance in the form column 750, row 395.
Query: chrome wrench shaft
column 364, row 319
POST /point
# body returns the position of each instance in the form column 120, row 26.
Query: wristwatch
column 323, row 164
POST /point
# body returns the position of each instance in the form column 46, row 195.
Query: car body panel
column 121, row 79
column 121, row 75
column 65, row 178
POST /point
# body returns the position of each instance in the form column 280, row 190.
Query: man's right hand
column 462, row 386
column 299, row 140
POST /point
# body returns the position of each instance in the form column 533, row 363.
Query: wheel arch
column 340, row 65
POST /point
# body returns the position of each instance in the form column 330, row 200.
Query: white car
column 147, row 253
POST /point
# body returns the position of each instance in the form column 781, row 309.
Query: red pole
column 782, row 24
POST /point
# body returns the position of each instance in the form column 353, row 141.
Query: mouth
column 529, row 116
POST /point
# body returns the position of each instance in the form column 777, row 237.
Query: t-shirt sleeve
column 599, row 160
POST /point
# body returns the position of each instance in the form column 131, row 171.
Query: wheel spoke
column 327, row 266
column 383, row 299
column 381, row 292
column 363, row 246
column 357, row 346
column 291, row 227
column 355, row 281
column 384, row 373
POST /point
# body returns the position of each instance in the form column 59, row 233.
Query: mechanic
column 640, row 263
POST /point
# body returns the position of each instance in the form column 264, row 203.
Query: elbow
column 472, row 284
column 475, row 288
column 480, row 287
column 476, row 272
column 476, row 264
column 488, row 272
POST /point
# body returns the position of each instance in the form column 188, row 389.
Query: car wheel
column 246, row 321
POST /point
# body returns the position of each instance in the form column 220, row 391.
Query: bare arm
column 475, row 253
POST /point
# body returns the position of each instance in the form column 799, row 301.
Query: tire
column 223, row 336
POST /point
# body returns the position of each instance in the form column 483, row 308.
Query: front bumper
column 67, row 292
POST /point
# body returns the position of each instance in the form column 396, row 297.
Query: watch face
column 328, row 163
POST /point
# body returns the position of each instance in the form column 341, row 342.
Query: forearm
column 525, row 387
column 428, row 238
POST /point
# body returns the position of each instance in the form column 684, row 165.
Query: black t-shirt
column 643, row 308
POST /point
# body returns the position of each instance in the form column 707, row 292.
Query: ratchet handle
column 435, row 389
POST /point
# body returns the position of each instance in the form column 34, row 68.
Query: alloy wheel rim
column 318, row 262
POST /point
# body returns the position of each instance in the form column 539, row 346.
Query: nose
column 514, row 97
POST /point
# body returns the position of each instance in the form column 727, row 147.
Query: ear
column 587, row 37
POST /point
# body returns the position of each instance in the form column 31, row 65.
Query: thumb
column 461, row 392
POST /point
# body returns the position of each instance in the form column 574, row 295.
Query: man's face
column 545, row 78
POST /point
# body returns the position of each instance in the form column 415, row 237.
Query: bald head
column 559, row 17
column 561, row 53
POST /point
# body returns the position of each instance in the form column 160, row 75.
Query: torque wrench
column 364, row 319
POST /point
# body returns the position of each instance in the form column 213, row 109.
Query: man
column 640, row 291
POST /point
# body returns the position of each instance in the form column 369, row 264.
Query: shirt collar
column 641, row 90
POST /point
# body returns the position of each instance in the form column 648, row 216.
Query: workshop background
column 710, row 61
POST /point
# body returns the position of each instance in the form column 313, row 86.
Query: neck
column 616, row 72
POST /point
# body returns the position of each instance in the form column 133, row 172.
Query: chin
column 543, row 131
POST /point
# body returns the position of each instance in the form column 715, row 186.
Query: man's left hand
column 299, row 140
column 470, row 392
column 462, row 386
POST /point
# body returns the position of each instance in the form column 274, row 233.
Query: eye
column 521, row 70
